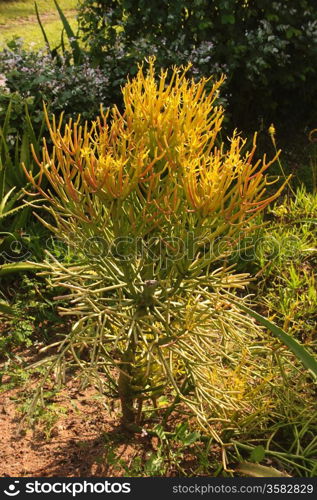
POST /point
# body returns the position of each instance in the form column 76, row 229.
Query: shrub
column 38, row 77
column 121, row 60
column 268, row 49
column 286, row 256
column 19, row 234
column 33, row 315
column 142, row 197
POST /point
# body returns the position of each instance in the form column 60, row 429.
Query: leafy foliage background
column 267, row 49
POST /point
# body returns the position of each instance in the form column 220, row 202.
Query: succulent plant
column 152, row 202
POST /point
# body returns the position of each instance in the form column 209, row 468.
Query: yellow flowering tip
column 312, row 134
column 86, row 151
column 271, row 129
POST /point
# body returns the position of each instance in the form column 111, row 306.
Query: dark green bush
column 35, row 316
column 267, row 49
column 38, row 77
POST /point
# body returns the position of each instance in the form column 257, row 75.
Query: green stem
column 128, row 417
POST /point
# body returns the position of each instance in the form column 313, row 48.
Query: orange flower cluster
column 162, row 150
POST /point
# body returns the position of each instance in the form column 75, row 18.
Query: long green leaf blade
column 309, row 361
column 2, row 179
column 77, row 52
column 19, row 267
column 6, row 309
column 42, row 27
column 7, row 119
column 4, row 204
column 256, row 470
column 5, row 153
column 30, row 130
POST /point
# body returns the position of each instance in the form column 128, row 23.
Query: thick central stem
column 127, row 365
column 125, row 388
column 126, row 398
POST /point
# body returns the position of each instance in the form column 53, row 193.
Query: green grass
column 286, row 259
column 23, row 8
column 18, row 19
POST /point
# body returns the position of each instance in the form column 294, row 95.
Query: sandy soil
column 81, row 442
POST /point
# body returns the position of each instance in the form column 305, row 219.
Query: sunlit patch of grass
column 286, row 257
column 14, row 10
column 32, row 35
column 18, row 19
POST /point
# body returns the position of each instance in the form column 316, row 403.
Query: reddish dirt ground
column 76, row 435
column 80, row 441
column 78, row 445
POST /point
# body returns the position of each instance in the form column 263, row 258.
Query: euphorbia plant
column 150, row 200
